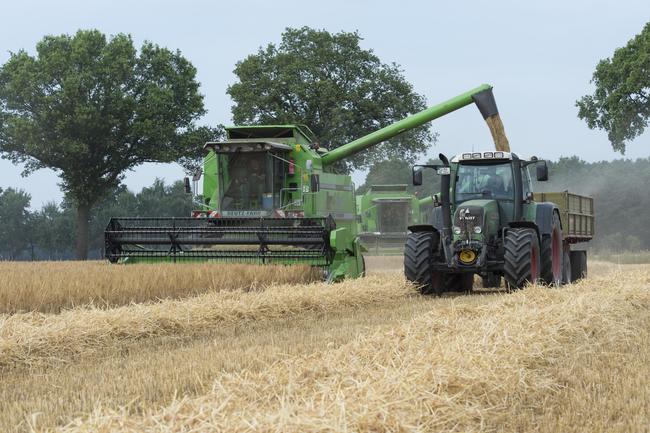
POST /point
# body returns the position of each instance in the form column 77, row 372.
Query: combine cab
column 270, row 195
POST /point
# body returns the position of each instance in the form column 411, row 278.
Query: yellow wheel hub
column 467, row 256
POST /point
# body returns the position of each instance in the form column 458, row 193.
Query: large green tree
column 621, row 102
column 92, row 107
column 328, row 82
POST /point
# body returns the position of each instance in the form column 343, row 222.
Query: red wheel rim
column 556, row 255
column 534, row 264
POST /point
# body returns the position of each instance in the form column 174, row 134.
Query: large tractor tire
column 578, row 265
column 552, row 254
column 419, row 253
column 521, row 257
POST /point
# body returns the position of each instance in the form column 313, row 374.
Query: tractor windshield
column 252, row 182
column 484, row 182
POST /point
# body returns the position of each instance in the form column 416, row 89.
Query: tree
column 621, row 103
column 14, row 221
column 328, row 82
column 92, row 108
column 52, row 229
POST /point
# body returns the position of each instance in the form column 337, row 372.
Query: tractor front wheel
column 419, row 253
column 521, row 257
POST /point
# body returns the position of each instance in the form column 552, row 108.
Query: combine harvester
column 270, row 196
column 384, row 213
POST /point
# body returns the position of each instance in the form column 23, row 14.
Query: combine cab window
column 252, row 182
column 393, row 217
column 484, row 182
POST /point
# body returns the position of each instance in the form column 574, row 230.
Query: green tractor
column 384, row 213
column 271, row 195
column 488, row 221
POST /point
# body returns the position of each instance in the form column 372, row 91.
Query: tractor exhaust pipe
column 445, row 202
column 487, row 105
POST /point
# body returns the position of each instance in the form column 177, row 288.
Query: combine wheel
column 552, row 254
column 419, row 253
column 521, row 257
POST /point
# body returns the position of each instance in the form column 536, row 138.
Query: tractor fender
column 544, row 217
column 422, row 228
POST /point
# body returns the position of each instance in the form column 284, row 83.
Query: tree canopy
column 328, row 82
column 620, row 104
column 14, row 221
column 92, row 107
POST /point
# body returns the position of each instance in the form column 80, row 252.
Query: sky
column 539, row 56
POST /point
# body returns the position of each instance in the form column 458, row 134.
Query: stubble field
column 91, row 347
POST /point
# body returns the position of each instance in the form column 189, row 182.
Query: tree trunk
column 83, row 213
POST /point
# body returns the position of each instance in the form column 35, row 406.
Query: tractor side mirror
column 542, row 171
column 417, row 176
column 188, row 187
column 315, row 183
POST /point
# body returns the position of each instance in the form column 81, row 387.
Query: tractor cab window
column 527, row 187
column 252, row 181
column 482, row 181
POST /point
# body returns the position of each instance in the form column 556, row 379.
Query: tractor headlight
column 478, row 230
column 456, row 230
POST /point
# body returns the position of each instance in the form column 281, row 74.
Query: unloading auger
column 270, row 196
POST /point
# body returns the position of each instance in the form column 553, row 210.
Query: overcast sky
column 538, row 55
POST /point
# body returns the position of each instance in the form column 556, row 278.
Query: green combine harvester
column 270, row 195
column 384, row 213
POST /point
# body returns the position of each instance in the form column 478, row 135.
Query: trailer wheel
column 578, row 265
column 419, row 253
column 552, row 254
column 521, row 257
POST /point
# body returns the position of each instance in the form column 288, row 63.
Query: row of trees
column 619, row 188
column 48, row 233
column 92, row 107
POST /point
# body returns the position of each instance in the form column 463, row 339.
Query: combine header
column 270, row 196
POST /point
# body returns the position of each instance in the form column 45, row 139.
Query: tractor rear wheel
column 521, row 257
column 552, row 254
column 419, row 253
column 566, row 267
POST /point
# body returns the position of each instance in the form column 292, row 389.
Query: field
column 90, row 347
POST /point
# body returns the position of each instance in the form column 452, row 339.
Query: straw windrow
column 501, row 365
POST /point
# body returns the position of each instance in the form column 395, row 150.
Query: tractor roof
column 488, row 156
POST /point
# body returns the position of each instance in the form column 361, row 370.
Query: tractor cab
column 494, row 182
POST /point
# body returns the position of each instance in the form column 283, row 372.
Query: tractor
column 487, row 221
